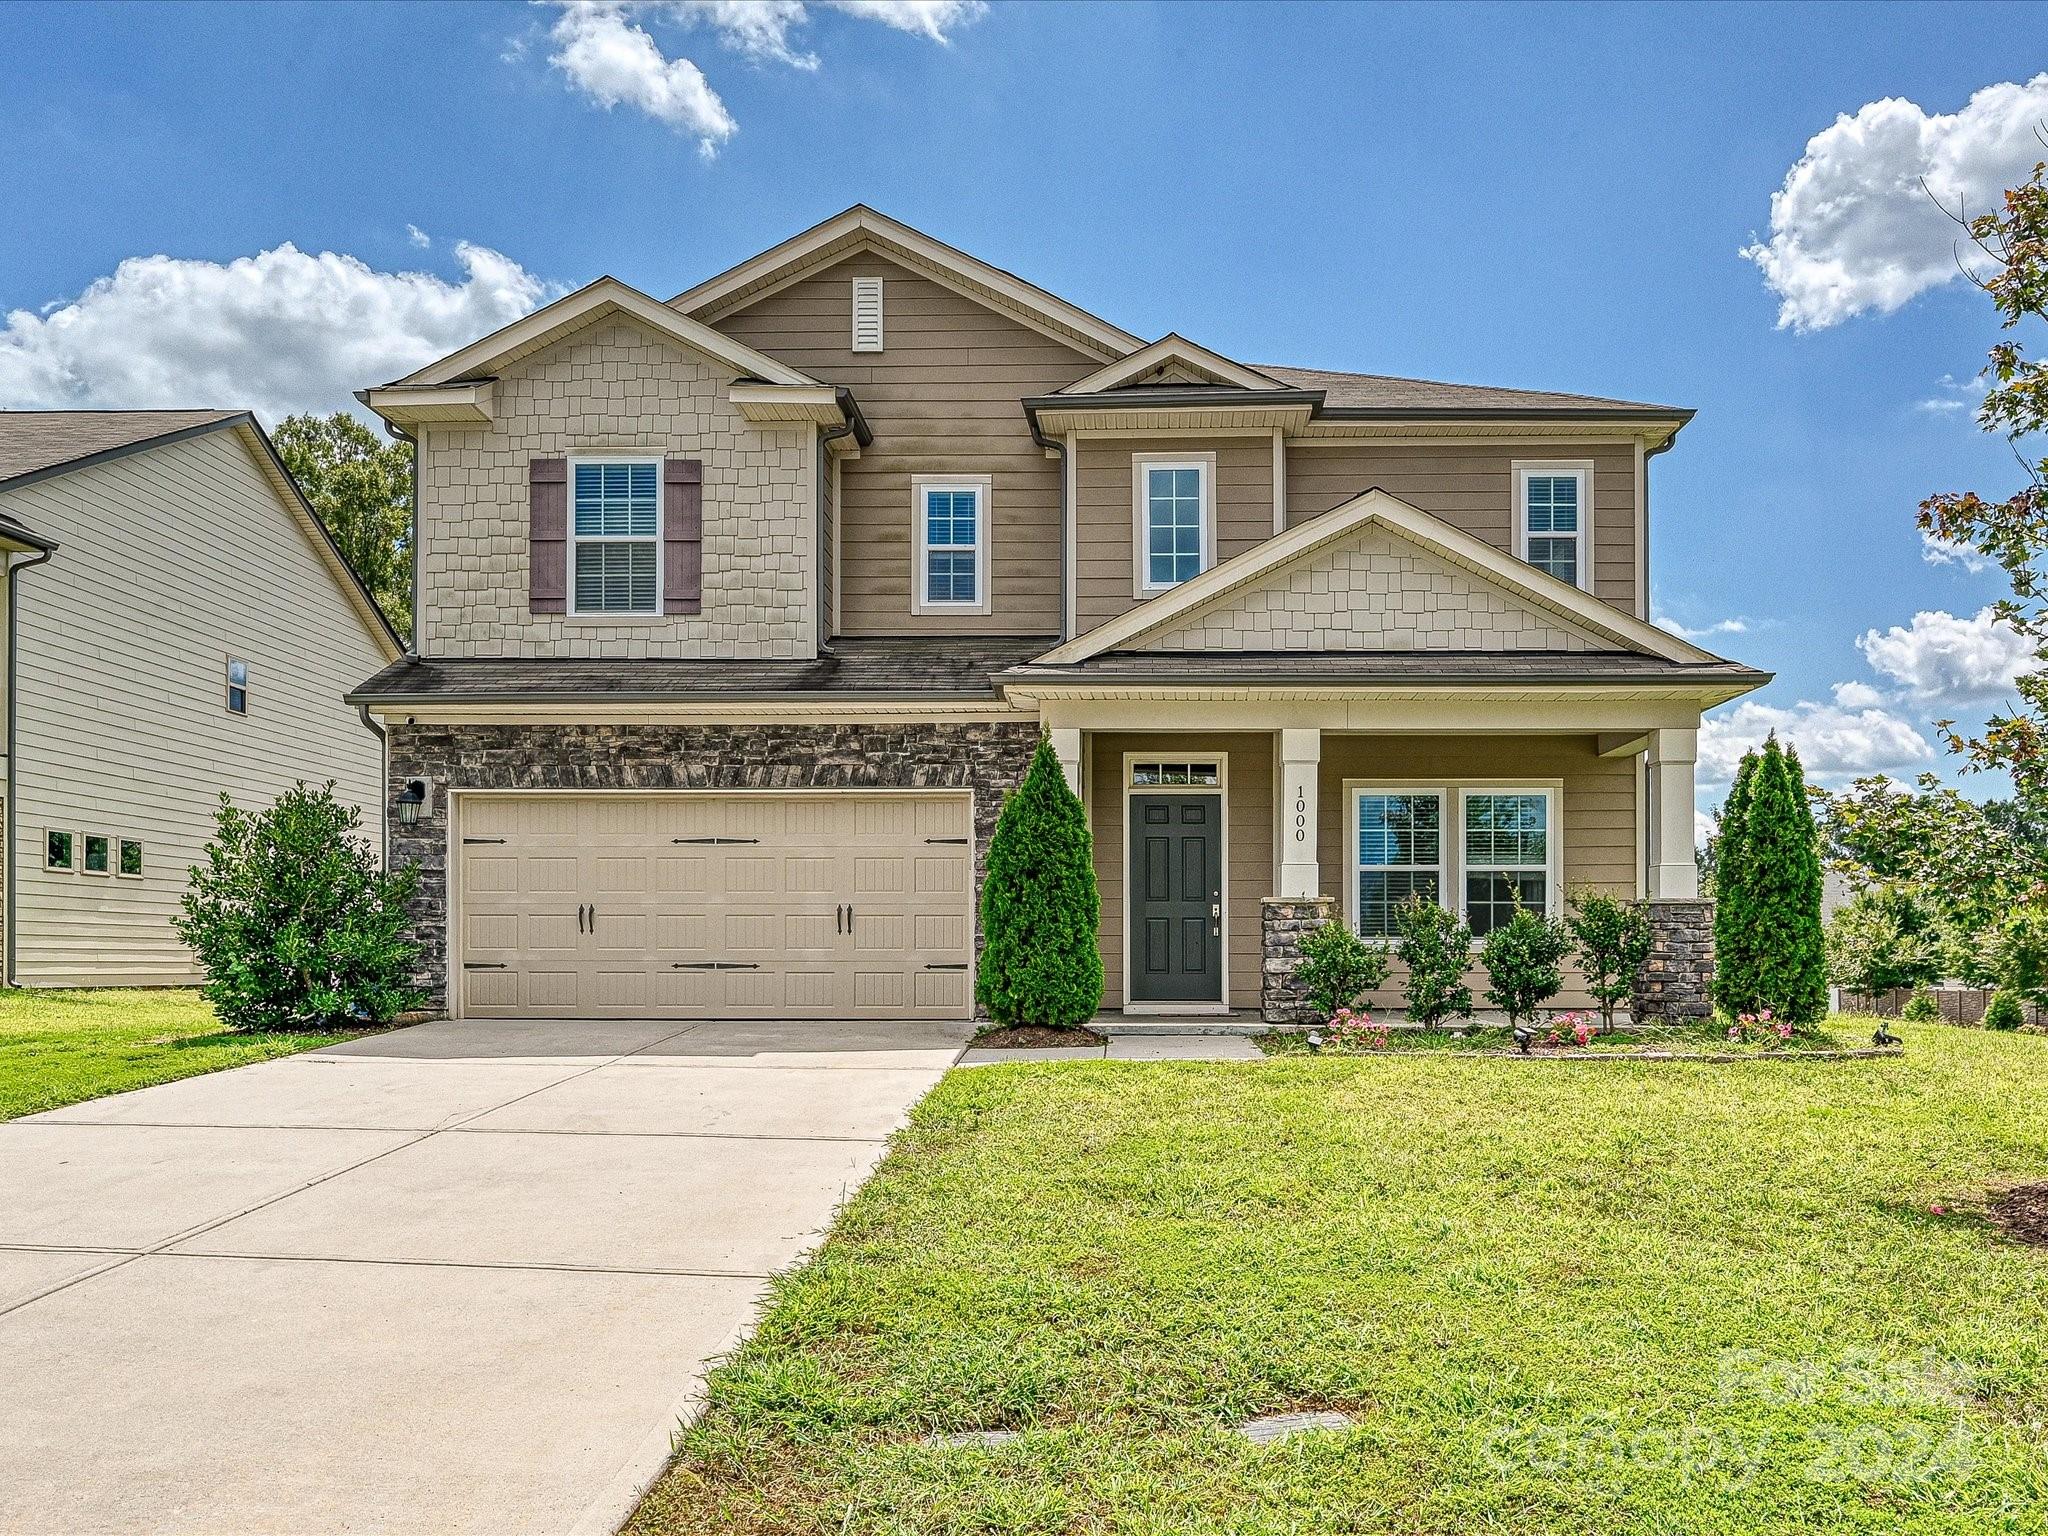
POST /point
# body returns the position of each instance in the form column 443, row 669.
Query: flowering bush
column 1759, row 1029
column 1576, row 1028
column 1350, row 1030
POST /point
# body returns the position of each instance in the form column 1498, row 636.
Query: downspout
column 1060, row 451
column 12, row 884
column 383, row 776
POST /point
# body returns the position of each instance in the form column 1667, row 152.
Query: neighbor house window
column 131, row 857
column 238, row 687
column 1554, row 516
column 59, row 850
column 1399, row 837
column 99, row 854
column 615, row 521
column 1506, row 855
column 1174, row 525
column 952, row 544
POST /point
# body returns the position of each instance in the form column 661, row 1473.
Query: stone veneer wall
column 616, row 387
column 1675, row 983
column 988, row 757
column 1373, row 593
column 1282, row 922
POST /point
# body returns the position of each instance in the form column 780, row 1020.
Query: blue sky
column 1548, row 197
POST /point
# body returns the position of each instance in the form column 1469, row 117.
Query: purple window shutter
column 682, row 536
column 547, row 537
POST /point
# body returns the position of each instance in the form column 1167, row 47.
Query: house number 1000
column 1300, row 817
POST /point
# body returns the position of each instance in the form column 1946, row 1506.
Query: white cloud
column 1858, row 696
column 1936, row 550
column 614, row 63
column 1957, row 396
column 1735, row 626
column 1940, row 658
column 280, row 331
column 1854, row 229
column 418, row 236
column 1834, row 742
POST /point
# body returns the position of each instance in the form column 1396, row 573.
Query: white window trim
column 1552, row 792
column 228, row 685
column 1141, row 466
column 1353, row 790
column 984, row 536
column 1583, row 469
column 119, row 872
column 113, row 855
column 76, row 852
column 628, row 615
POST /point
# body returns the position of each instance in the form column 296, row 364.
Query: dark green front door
column 1176, row 898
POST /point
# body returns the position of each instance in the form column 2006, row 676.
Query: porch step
column 1114, row 1024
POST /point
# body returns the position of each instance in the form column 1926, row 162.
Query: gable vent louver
column 867, row 314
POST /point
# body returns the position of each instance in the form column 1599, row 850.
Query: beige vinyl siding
column 1248, row 834
column 1598, row 815
column 1471, row 486
column 171, row 560
column 942, row 399
column 1105, row 512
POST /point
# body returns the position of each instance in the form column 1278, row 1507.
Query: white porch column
column 1673, row 873
column 1066, row 746
column 1301, row 751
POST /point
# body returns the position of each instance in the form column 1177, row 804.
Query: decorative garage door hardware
column 842, row 919
column 959, row 842
column 483, row 965
column 469, row 840
column 586, row 914
column 714, row 965
column 952, row 967
column 720, row 840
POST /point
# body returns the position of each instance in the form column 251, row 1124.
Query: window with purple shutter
column 547, row 539
column 682, row 536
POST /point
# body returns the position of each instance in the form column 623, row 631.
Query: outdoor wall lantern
column 415, row 800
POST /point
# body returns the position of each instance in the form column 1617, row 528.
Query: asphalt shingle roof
column 1378, row 391
column 33, row 440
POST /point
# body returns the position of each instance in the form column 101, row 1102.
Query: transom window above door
column 952, row 545
column 1175, row 524
column 615, row 526
column 1201, row 774
column 1554, row 518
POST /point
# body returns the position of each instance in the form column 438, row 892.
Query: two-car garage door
column 841, row 904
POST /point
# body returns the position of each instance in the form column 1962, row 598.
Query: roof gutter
column 12, row 883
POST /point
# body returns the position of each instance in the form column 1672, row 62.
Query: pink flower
column 1939, row 1210
column 1765, row 1015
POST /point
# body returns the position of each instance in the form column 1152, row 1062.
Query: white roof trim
column 592, row 302
column 862, row 228
column 1412, row 523
column 1172, row 347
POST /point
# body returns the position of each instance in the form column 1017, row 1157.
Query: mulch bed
column 1031, row 1037
column 2023, row 1213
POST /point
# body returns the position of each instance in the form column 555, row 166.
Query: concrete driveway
column 463, row 1277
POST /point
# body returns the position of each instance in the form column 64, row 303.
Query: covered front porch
column 1215, row 846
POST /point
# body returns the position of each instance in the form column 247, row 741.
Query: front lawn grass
column 1568, row 1298
column 57, row 1048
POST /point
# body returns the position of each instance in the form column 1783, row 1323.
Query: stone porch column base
column 1282, row 922
column 1676, row 982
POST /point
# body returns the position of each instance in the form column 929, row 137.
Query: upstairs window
column 238, row 686
column 615, row 527
column 952, row 544
column 1508, row 843
column 1175, row 539
column 1554, row 517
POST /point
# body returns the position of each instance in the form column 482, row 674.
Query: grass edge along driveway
column 62, row 1047
column 1555, row 1297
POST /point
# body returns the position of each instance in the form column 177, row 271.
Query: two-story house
column 740, row 613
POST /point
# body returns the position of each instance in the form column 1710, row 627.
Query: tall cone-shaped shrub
column 1039, row 908
column 1730, row 941
column 1771, row 905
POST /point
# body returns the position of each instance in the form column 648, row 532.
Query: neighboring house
column 178, row 625
column 739, row 614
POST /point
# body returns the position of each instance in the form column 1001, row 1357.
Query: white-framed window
column 1201, row 773
column 1554, row 520
column 130, row 866
column 60, row 849
column 1398, row 844
column 1176, row 522
column 867, row 314
column 98, row 856
column 1507, row 854
column 952, row 544
column 238, row 686
column 615, row 535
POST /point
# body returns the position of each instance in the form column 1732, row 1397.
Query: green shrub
column 1614, row 939
column 2004, row 1012
column 1039, row 907
column 1921, row 1008
column 1337, row 966
column 1769, row 952
column 2018, row 952
column 1524, row 960
column 293, row 922
column 1436, row 947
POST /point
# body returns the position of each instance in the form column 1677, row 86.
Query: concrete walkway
column 464, row 1277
